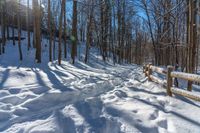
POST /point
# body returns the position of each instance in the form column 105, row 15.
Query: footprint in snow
column 129, row 84
column 14, row 90
column 152, row 99
column 39, row 90
column 5, row 116
column 135, row 111
column 163, row 124
column 4, row 93
column 154, row 115
column 28, row 70
column 111, row 97
column 163, row 104
column 136, row 97
column 120, row 94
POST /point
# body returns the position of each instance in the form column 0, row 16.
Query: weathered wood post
column 169, row 80
column 149, row 72
column 189, row 86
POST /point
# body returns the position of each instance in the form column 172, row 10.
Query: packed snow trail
column 60, row 100
column 85, row 98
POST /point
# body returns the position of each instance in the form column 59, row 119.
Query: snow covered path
column 98, row 97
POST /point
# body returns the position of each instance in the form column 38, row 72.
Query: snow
column 186, row 76
column 84, row 98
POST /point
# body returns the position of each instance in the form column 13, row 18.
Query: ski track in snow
column 87, row 98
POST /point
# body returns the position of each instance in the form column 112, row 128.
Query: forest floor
column 95, row 97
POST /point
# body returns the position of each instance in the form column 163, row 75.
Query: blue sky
column 69, row 8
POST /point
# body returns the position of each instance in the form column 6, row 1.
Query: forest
column 90, row 66
column 126, row 31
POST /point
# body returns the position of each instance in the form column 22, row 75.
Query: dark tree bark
column 28, row 25
column 19, row 32
column 3, row 26
column 37, row 34
column 13, row 29
column 60, row 32
column 74, row 32
column 65, row 32
column 191, row 39
column 50, row 30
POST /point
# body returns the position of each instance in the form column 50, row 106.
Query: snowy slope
column 84, row 98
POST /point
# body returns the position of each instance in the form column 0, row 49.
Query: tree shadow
column 171, row 112
column 38, row 77
column 196, row 88
column 148, row 92
column 66, row 124
column 57, row 84
column 92, row 113
column 51, row 75
column 37, row 68
column 75, row 72
column 186, row 100
column 137, row 123
column 4, row 78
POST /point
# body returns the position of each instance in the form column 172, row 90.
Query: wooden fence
column 167, row 83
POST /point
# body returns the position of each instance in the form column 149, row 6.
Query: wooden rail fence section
column 170, row 74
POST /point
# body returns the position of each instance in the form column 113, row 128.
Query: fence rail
column 167, row 83
column 159, row 70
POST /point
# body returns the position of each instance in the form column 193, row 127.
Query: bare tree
column 60, row 31
column 191, row 39
column 19, row 32
column 74, row 32
column 28, row 24
column 50, row 30
column 37, row 32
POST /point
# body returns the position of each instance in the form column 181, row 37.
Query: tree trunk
column 74, row 32
column 28, row 25
column 13, row 29
column 60, row 32
column 191, row 39
column 3, row 26
column 19, row 32
column 37, row 33
column 50, row 30
column 65, row 32
column 88, row 36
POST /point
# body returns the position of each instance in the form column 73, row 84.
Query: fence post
column 169, row 80
column 149, row 72
column 189, row 86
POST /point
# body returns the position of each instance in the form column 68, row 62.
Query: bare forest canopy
column 163, row 32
